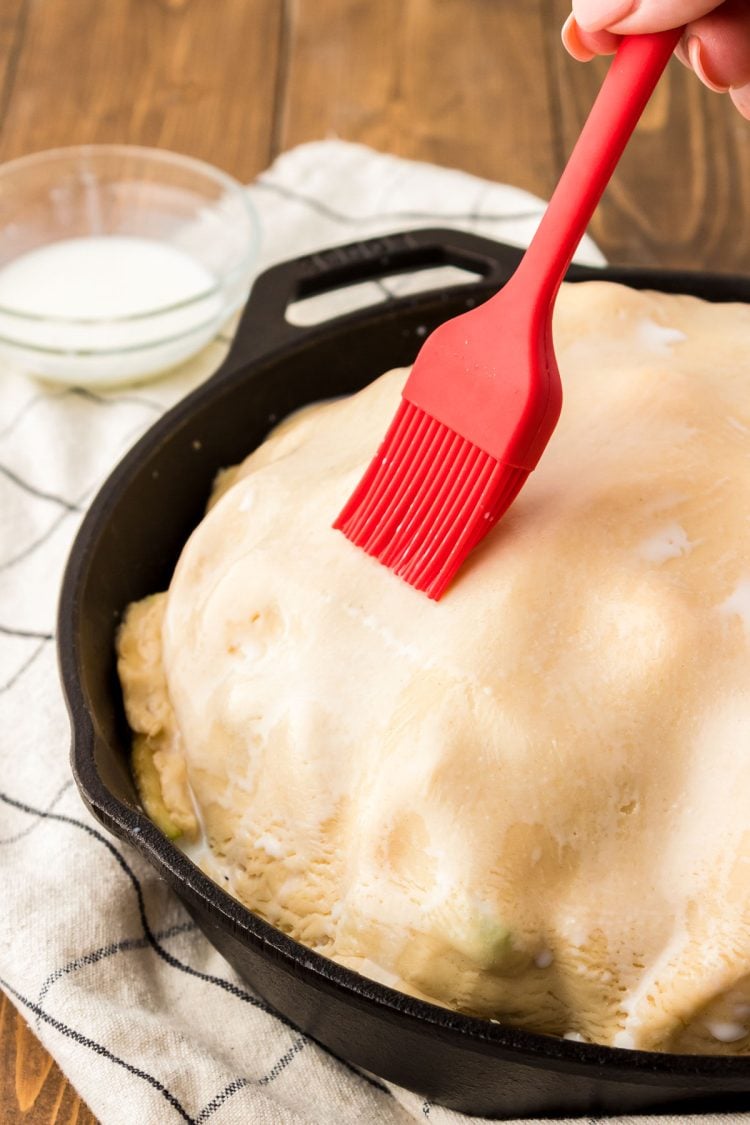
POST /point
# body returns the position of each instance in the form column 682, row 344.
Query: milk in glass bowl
column 118, row 262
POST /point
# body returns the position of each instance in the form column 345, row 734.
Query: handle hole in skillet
column 320, row 307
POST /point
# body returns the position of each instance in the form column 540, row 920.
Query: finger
column 637, row 17
column 718, row 46
column 583, row 45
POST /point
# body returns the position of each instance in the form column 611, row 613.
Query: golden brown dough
column 530, row 801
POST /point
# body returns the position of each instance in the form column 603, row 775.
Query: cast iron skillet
column 127, row 548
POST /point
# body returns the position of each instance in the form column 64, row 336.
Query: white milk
column 70, row 299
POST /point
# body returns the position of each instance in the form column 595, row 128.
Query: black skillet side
column 127, row 547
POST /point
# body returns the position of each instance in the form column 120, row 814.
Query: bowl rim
column 167, row 158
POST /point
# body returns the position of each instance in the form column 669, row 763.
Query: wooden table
column 479, row 84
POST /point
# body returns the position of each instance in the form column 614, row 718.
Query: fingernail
column 572, row 41
column 740, row 95
column 681, row 53
column 694, row 50
column 595, row 15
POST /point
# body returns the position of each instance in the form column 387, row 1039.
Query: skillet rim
column 277, row 286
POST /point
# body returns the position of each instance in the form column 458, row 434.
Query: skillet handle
column 264, row 329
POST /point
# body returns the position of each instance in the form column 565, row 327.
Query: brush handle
column 630, row 81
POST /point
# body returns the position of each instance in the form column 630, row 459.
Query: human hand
column 716, row 42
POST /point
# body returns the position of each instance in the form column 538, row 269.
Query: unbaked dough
column 531, row 800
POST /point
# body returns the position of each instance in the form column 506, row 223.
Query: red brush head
column 426, row 500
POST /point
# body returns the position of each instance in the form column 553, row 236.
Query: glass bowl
column 163, row 255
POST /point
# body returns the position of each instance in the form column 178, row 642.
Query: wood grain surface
column 478, row 84
column 32, row 1089
column 197, row 77
column 440, row 81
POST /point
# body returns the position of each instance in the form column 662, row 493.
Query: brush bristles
column 426, row 500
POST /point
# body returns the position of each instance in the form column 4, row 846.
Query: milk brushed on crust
column 530, row 801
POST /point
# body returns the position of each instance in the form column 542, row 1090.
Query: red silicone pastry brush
column 484, row 394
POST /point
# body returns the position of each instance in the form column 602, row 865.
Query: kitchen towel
column 148, row 1022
